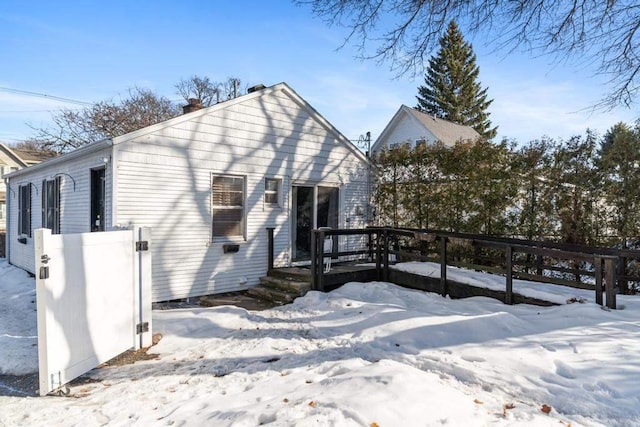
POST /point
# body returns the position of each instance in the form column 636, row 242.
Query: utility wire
column 43, row 95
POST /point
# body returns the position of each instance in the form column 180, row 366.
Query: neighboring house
column 208, row 183
column 12, row 159
column 410, row 126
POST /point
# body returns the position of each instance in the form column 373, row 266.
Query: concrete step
column 270, row 294
column 295, row 287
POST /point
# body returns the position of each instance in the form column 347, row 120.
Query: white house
column 12, row 159
column 209, row 183
column 410, row 126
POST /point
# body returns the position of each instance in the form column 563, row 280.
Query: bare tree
column 208, row 92
column 105, row 119
column 200, row 88
column 603, row 32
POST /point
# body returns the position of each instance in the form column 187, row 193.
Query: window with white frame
column 24, row 210
column 272, row 188
column 227, row 206
column 51, row 205
column 3, row 210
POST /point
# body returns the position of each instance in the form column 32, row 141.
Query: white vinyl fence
column 93, row 295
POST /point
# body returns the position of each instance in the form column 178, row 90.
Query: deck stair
column 282, row 286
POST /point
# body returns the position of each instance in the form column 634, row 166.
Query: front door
column 313, row 207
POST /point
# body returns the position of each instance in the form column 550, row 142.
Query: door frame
column 293, row 214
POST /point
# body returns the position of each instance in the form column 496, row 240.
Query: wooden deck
column 338, row 275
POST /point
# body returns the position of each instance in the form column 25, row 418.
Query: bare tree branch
column 405, row 32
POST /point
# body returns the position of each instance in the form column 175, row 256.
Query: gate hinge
column 142, row 245
column 142, row 327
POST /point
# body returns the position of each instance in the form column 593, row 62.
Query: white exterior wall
column 163, row 182
column 74, row 205
column 407, row 130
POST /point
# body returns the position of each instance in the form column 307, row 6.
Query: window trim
column 243, row 208
column 24, row 212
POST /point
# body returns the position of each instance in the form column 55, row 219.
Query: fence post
column 443, row 265
column 142, row 262
column 598, row 272
column 509, row 291
column 270, row 248
column 610, row 282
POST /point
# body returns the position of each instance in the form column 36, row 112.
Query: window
column 24, row 210
column 3, row 209
column 51, row 205
column 272, row 191
column 227, row 206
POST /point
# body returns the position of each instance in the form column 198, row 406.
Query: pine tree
column 451, row 89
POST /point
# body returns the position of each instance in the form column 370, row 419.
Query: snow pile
column 369, row 354
column 543, row 291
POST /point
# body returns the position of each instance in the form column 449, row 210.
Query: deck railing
column 606, row 271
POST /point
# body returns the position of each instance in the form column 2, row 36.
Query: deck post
column 270, row 248
column 610, row 281
column 314, row 262
column 319, row 244
column 598, row 265
column 539, row 264
column 509, row 264
column 623, row 284
column 443, row 265
column 385, row 272
column 378, row 255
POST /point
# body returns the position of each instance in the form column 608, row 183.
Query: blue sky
column 96, row 50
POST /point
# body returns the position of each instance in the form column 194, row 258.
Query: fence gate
column 93, row 300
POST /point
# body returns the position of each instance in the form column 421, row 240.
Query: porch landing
column 338, row 275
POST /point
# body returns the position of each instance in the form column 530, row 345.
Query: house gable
column 408, row 126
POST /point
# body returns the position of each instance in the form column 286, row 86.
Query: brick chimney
column 193, row 105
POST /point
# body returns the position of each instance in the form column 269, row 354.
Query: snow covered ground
column 369, row 354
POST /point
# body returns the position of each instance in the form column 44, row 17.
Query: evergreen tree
column 451, row 89
column 619, row 165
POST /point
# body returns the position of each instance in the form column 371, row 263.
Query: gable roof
column 26, row 157
column 9, row 152
column 285, row 88
column 442, row 130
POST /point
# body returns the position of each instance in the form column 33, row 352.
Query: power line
column 43, row 95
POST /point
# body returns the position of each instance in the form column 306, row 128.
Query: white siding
column 74, row 205
column 161, row 179
column 164, row 177
column 407, row 130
